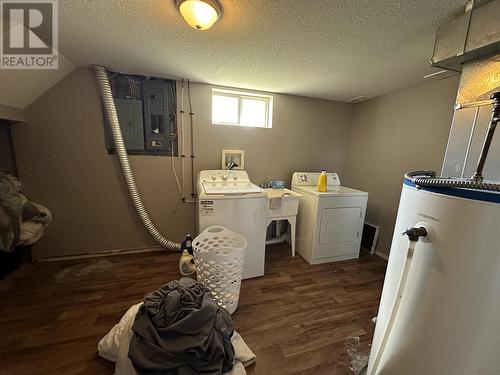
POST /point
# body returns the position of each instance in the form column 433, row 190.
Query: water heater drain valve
column 415, row 233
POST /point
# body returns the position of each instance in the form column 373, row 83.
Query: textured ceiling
column 336, row 49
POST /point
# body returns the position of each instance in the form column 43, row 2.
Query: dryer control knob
column 224, row 177
column 214, row 177
column 235, row 177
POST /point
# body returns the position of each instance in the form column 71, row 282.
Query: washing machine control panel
column 225, row 182
column 223, row 176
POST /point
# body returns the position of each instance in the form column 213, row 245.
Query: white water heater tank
column 448, row 321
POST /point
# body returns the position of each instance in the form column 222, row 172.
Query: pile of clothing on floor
column 178, row 330
column 22, row 222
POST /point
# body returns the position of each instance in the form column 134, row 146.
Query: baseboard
column 104, row 253
column 382, row 255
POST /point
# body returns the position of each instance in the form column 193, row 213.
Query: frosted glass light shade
column 200, row 14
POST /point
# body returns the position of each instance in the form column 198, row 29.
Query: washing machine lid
column 331, row 191
column 230, row 188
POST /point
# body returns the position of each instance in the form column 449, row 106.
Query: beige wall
column 403, row 131
column 11, row 113
column 7, row 156
column 63, row 163
column 307, row 134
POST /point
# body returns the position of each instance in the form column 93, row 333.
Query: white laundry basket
column 219, row 255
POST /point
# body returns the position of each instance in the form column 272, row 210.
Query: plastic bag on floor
column 358, row 361
column 33, row 229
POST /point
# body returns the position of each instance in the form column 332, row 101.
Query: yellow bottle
column 322, row 182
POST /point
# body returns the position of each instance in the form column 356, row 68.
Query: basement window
column 241, row 108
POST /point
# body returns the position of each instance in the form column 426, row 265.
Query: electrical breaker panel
column 130, row 117
column 146, row 109
column 159, row 114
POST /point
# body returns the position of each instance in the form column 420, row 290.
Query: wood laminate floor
column 296, row 318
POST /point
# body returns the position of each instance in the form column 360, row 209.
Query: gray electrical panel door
column 130, row 117
column 458, row 142
column 159, row 113
column 467, row 134
column 491, row 169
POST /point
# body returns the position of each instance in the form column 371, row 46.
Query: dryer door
column 340, row 225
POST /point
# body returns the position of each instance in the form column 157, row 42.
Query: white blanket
column 114, row 347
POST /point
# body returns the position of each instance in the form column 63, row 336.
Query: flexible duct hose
column 112, row 116
column 428, row 178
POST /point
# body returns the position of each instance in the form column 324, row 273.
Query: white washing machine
column 329, row 224
column 228, row 198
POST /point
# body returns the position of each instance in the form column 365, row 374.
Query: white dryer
column 228, row 198
column 329, row 224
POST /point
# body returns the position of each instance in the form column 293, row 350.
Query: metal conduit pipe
column 112, row 117
column 428, row 178
column 495, row 117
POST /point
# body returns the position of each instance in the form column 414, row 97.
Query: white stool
column 292, row 219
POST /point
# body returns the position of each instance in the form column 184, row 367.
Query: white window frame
column 240, row 95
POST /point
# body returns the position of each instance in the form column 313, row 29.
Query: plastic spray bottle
column 322, row 182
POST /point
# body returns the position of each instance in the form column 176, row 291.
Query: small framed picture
column 236, row 158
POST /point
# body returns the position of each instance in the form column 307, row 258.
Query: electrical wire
column 134, row 86
column 176, row 178
column 183, row 143
column 191, row 114
column 182, row 138
column 174, row 170
column 173, row 136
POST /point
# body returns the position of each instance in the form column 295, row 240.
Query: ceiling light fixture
column 200, row 14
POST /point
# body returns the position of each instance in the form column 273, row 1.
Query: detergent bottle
column 186, row 264
column 187, row 244
column 322, row 181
